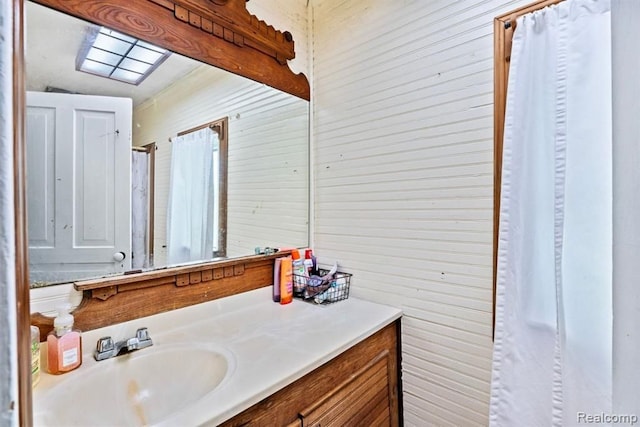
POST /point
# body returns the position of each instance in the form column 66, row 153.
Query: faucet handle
column 105, row 348
column 142, row 334
column 143, row 338
column 104, row 344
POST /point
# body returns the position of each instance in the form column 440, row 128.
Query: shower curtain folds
column 553, row 340
column 190, row 216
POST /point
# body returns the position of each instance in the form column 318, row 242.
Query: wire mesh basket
column 314, row 289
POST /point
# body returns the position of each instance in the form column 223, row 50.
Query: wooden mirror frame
column 221, row 33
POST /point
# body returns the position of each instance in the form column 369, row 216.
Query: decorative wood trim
column 230, row 21
column 503, row 28
column 109, row 300
column 214, row 268
column 221, row 33
column 25, row 415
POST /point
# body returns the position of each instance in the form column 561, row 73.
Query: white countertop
column 269, row 346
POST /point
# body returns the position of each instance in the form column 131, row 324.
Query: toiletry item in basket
column 64, row 344
column 286, row 280
column 299, row 274
column 308, row 261
column 337, row 291
column 35, row 355
column 276, row 279
column 319, row 284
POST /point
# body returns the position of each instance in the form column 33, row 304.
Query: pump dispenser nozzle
column 64, row 320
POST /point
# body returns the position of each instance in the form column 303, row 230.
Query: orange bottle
column 286, row 280
column 64, row 344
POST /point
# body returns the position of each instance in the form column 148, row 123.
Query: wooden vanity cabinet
column 357, row 388
column 362, row 400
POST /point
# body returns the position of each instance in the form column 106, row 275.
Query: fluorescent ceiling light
column 114, row 55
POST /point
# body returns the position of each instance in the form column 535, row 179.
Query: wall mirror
column 114, row 183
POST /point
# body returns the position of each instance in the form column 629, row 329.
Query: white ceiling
column 53, row 40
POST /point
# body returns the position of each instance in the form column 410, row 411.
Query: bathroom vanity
column 239, row 360
column 358, row 387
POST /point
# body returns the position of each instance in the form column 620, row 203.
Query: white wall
column 267, row 202
column 403, row 134
column 625, row 33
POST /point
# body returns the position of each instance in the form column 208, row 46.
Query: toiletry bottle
column 308, row 261
column 64, row 344
column 299, row 274
column 286, row 285
column 35, row 355
column 276, row 279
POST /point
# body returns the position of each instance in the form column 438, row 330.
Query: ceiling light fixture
column 114, row 55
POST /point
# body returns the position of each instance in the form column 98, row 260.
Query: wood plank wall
column 403, row 147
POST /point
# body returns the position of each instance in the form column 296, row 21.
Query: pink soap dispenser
column 64, row 344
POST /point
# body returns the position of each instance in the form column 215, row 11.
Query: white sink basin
column 140, row 388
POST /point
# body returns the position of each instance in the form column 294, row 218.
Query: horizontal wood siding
column 403, row 148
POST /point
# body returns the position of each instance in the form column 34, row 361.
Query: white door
column 78, row 185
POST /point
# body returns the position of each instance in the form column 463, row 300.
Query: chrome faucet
column 105, row 347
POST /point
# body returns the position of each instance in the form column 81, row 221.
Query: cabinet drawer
column 362, row 400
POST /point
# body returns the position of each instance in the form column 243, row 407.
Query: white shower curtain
column 553, row 342
column 191, row 197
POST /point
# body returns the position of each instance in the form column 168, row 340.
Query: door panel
column 91, row 194
column 41, row 179
column 94, row 182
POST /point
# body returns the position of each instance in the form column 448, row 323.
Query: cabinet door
column 296, row 423
column 362, row 400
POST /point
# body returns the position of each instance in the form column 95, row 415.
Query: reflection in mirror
column 190, row 164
